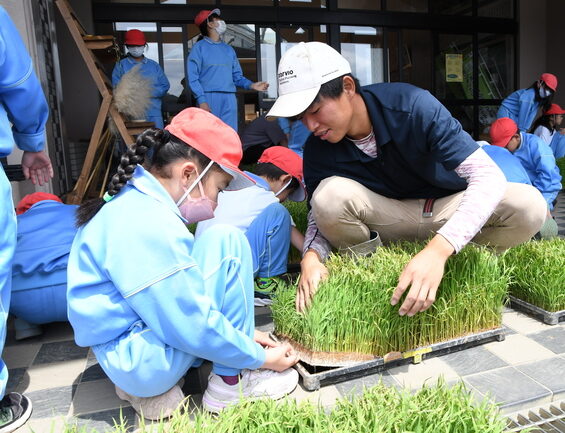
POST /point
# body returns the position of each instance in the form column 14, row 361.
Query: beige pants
column 345, row 212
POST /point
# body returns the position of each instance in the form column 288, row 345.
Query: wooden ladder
column 89, row 47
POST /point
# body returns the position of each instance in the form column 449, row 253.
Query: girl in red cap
column 549, row 123
column 150, row 300
column 522, row 106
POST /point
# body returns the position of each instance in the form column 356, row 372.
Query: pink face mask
column 197, row 209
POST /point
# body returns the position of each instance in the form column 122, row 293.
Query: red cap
column 289, row 162
column 550, row 80
column 29, row 200
column 203, row 16
column 212, row 137
column 501, row 131
column 554, row 109
column 135, row 37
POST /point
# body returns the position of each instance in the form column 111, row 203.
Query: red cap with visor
column 289, row 162
column 210, row 136
column 135, row 37
column 29, row 200
column 550, row 80
column 554, row 109
column 203, row 16
column 501, row 131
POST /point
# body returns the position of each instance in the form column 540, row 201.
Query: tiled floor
column 65, row 382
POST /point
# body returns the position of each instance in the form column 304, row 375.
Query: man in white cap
column 389, row 159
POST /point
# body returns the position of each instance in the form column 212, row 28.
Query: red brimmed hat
column 501, row 131
column 203, row 16
column 213, row 138
column 550, row 80
column 135, row 37
column 289, row 162
column 554, row 109
column 29, row 200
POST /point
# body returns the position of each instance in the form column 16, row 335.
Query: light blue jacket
column 558, row 145
column 539, row 162
column 149, row 69
column 297, row 133
column 521, row 106
column 508, row 163
column 45, row 234
column 133, row 262
column 22, row 102
column 213, row 67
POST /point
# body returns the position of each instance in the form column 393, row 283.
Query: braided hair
column 166, row 149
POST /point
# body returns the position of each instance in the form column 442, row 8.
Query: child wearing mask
column 150, row 300
column 258, row 212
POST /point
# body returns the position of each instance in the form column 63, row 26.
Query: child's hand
column 264, row 339
column 280, row 358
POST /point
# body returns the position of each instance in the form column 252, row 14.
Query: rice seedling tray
column 548, row 317
column 313, row 377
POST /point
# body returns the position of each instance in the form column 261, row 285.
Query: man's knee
column 527, row 205
column 330, row 199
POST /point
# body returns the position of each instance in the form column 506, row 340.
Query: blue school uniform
column 539, row 162
column 23, row 113
column 520, row 106
column 152, row 70
column 297, row 132
column 508, row 163
column 213, row 74
column 39, row 269
column 557, row 145
column 151, row 301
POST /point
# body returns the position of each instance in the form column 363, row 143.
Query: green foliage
column 561, row 164
column 378, row 410
column 299, row 213
column 537, row 273
column 351, row 311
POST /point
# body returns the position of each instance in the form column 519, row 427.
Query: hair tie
column 107, row 197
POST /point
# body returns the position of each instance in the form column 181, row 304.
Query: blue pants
column 224, row 106
column 7, row 248
column 41, row 305
column 269, row 237
column 141, row 364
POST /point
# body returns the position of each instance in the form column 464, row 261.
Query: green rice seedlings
column 537, row 272
column 561, row 164
column 299, row 213
column 351, row 311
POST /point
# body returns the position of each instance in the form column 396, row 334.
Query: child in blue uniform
column 523, row 105
column 150, row 300
column 507, row 162
column 214, row 71
column 23, row 113
column 46, row 229
column 258, row 212
column 135, row 44
column 547, row 125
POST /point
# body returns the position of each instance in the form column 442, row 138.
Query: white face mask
column 544, row 93
column 136, row 51
column 221, row 27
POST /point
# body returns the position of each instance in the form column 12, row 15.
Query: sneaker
column 264, row 290
column 15, row 410
column 157, row 407
column 25, row 329
column 253, row 385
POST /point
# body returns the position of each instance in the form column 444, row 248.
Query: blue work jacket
column 520, row 106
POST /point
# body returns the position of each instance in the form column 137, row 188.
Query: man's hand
column 423, row 274
column 205, row 107
column 264, row 340
column 260, row 86
column 37, row 167
column 312, row 272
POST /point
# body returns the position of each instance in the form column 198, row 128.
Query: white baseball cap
column 302, row 71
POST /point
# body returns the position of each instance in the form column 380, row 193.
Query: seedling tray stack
column 351, row 329
column 537, row 279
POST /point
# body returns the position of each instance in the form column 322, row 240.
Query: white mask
column 221, row 27
column 136, row 51
column 544, row 93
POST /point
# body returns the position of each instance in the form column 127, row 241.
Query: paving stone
column 518, row 349
column 325, row 396
column 63, row 373
column 104, row 421
column 59, row 351
column 96, row 396
column 553, row 338
column 549, row 373
column 473, row 360
column 93, row 372
column 15, row 378
column 511, row 388
column 523, row 323
column 413, row 376
column 21, row 354
column 356, row 386
column 52, row 402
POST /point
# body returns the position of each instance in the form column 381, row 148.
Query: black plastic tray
column 314, row 377
column 548, row 317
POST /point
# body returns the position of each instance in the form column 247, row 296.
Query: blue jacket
column 558, row 145
column 521, row 106
column 22, row 102
column 508, row 163
column 419, row 144
column 213, row 67
column 297, row 132
column 133, row 262
column 45, row 234
column 149, row 69
column 539, row 162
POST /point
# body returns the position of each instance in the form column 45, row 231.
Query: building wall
column 532, row 16
column 554, row 39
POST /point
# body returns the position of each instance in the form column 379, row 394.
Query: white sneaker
column 157, row 407
column 253, row 385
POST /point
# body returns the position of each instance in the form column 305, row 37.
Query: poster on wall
column 454, row 68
